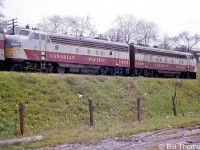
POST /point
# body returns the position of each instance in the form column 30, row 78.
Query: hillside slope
column 55, row 109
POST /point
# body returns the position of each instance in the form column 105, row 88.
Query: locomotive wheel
column 16, row 67
column 121, row 72
column 103, row 71
column 177, row 76
column 61, row 70
column 2, row 66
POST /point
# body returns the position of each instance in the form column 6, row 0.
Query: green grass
column 53, row 109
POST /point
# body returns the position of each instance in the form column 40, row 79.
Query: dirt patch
column 180, row 138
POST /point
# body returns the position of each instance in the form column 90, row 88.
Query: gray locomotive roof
column 87, row 39
column 161, row 50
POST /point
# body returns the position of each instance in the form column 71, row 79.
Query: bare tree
column 114, row 35
column 126, row 27
column 3, row 23
column 51, row 24
column 1, row 5
column 165, row 43
column 83, row 26
column 68, row 23
column 92, row 32
column 186, row 42
column 146, row 32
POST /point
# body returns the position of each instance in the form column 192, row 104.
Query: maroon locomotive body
column 41, row 51
column 155, row 62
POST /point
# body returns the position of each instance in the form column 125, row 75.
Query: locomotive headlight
column 15, row 44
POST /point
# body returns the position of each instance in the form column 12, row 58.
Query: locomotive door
column 145, row 61
column 188, row 63
column 42, row 46
column 117, row 58
column 117, row 70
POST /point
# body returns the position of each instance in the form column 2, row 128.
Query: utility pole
column 13, row 23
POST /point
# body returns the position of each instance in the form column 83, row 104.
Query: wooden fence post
column 174, row 105
column 91, row 112
column 138, row 109
column 21, row 114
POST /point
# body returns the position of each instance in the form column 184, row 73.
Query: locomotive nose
column 2, row 46
column 12, row 46
column 12, row 41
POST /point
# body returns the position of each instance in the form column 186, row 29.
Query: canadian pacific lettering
column 96, row 59
column 123, row 62
column 62, row 56
column 162, row 65
column 180, row 67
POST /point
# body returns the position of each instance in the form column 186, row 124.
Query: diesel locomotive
column 33, row 50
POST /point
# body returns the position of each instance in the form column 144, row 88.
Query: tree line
column 125, row 29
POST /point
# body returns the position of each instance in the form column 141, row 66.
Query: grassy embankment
column 53, row 109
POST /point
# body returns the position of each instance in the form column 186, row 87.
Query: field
column 56, row 106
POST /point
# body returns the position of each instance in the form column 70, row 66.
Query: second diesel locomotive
column 33, row 50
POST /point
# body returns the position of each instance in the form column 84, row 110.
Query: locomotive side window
column 77, row 50
column 56, row 46
column 35, row 36
column 97, row 52
column 23, row 32
column 42, row 37
column 160, row 53
column 151, row 57
column 165, row 59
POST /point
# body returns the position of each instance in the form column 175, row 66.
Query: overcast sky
column 171, row 16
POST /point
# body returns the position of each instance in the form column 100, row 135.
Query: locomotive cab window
column 23, row 33
column 35, row 36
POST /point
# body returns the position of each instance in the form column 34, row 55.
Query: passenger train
column 33, row 50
